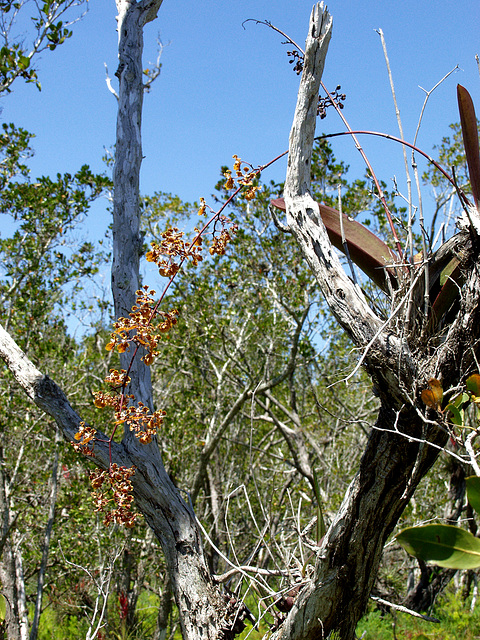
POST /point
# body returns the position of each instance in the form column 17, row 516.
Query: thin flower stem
column 214, row 218
column 370, row 169
column 463, row 197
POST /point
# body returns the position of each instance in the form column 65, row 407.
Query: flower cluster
column 117, row 379
column 86, row 436
column 244, row 177
column 173, row 246
column 140, row 329
column 219, row 243
column 203, row 207
column 114, row 485
column 143, row 328
column 140, row 419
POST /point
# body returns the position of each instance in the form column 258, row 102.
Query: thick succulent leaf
column 367, row 251
column 468, row 121
column 442, row 544
column 455, row 409
column 473, row 384
column 473, row 492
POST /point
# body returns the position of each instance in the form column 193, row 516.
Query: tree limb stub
column 303, row 216
column 391, row 465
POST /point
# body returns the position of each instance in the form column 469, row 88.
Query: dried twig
column 399, row 607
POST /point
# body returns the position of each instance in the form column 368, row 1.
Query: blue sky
column 226, row 89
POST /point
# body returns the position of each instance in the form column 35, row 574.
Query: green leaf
column 473, row 384
column 3, row 607
column 455, row 409
column 23, row 61
column 442, row 544
column 448, row 270
column 455, row 415
column 473, row 492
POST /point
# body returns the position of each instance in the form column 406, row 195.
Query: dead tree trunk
column 171, row 518
column 403, row 445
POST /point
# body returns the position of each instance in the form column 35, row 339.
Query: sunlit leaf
column 449, row 270
column 455, row 415
column 473, row 384
column 433, row 396
column 468, row 121
column 3, row 607
column 455, row 409
column 442, row 544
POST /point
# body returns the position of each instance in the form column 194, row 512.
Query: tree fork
column 402, row 445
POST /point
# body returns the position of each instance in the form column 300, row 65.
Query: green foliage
column 14, row 63
column 456, row 620
column 14, row 149
column 473, row 492
column 442, row 544
column 39, row 258
column 50, row 31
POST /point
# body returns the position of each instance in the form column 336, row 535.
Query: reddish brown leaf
column 367, row 251
column 433, row 396
column 468, row 121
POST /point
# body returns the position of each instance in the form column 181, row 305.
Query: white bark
column 392, row 465
column 202, row 609
column 172, row 520
column 344, row 297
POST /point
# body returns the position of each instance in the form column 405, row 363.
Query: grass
column 456, row 621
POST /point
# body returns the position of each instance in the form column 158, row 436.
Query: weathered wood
column 200, row 605
column 402, row 446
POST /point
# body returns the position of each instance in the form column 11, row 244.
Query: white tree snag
column 344, row 298
column 127, row 240
column 201, row 608
column 393, row 463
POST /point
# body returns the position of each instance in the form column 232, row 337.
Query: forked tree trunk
column 397, row 455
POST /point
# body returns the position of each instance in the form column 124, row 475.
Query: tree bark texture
column 171, row 518
column 8, row 578
column 397, row 455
